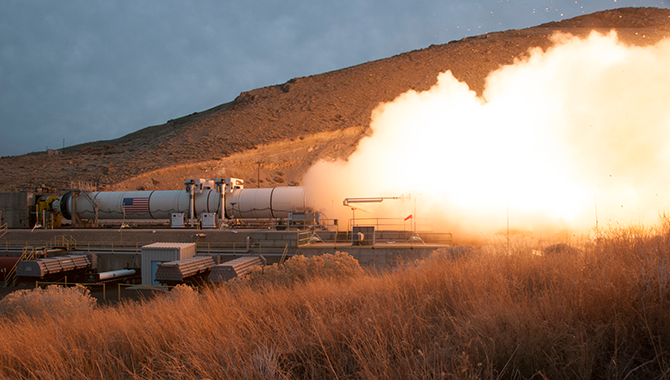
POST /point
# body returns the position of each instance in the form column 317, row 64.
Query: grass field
column 587, row 310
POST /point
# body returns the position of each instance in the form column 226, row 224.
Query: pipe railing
column 343, row 238
column 29, row 253
column 391, row 224
column 163, row 288
column 3, row 230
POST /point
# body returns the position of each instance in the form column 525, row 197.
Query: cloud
column 87, row 71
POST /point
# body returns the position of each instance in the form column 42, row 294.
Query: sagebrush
column 599, row 310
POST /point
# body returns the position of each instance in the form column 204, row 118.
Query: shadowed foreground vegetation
column 592, row 311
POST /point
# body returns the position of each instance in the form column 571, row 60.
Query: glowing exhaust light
column 587, row 118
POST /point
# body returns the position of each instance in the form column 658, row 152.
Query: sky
column 81, row 71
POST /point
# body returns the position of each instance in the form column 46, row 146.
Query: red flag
column 408, row 218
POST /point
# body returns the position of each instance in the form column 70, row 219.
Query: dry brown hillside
column 275, row 133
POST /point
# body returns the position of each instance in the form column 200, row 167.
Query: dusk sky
column 81, row 71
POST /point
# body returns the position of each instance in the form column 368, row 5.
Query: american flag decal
column 136, row 204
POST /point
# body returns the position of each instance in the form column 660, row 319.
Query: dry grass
column 597, row 312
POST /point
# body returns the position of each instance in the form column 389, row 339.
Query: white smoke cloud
column 584, row 124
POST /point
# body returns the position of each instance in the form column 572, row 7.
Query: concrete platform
column 378, row 255
column 121, row 248
column 123, row 236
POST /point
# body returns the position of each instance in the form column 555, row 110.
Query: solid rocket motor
column 240, row 203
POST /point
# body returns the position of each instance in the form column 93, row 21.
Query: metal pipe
column 115, row 274
column 191, row 204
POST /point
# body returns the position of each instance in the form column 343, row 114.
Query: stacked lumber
column 235, row 268
column 172, row 272
column 42, row 267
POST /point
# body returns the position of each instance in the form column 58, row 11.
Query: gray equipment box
column 208, row 220
column 177, row 220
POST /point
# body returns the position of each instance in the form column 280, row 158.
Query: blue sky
column 83, row 71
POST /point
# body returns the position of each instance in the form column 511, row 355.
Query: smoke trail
column 586, row 121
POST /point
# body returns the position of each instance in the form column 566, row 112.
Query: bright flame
column 584, row 124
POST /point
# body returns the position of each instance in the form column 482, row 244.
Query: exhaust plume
column 584, row 126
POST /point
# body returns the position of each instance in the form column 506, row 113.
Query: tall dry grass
column 599, row 310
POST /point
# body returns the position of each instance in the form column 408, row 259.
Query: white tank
column 207, row 201
column 158, row 204
column 271, row 203
column 163, row 203
column 264, row 203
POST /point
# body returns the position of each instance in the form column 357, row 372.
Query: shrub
column 183, row 291
column 301, row 269
column 54, row 301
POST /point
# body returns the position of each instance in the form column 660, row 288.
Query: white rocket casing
column 241, row 203
column 270, row 203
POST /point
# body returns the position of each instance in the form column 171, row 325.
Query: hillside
column 276, row 133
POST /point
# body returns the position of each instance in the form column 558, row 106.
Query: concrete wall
column 275, row 238
column 16, row 209
column 378, row 257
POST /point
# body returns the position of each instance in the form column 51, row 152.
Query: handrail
column 283, row 256
column 163, row 288
column 66, row 242
column 303, row 238
column 3, row 230
column 397, row 224
column 84, row 284
column 381, row 237
column 28, row 254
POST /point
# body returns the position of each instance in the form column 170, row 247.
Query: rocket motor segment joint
column 199, row 196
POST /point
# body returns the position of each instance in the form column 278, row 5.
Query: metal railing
column 381, row 237
column 66, row 242
column 300, row 239
column 84, row 185
column 66, row 284
column 29, row 253
column 163, row 288
column 392, row 224
column 303, row 238
column 116, row 247
column 3, row 230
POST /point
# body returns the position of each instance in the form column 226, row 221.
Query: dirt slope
column 275, row 133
